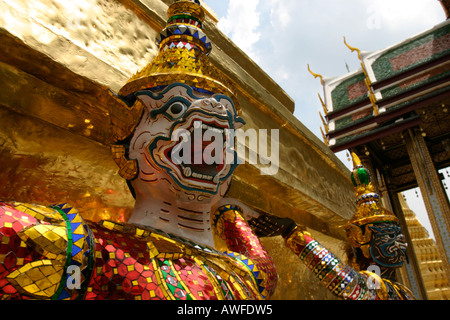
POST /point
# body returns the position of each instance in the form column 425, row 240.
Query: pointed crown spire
column 183, row 55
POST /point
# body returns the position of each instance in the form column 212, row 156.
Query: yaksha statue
column 375, row 235
column 166, row 249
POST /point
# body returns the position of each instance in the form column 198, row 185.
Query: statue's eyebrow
column 154, row 113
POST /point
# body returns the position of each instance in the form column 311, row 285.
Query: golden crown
column 369, row 209
column 183, row 55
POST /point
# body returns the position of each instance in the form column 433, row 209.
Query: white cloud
column 399, row 14
column 280, row 15
column 241, row 24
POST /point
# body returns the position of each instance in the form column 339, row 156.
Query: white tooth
column 197, row 124
column 196, row 175
column 205, row 127
column 216, row 179
column 187, row 172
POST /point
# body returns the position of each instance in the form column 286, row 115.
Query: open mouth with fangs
column 196, row 158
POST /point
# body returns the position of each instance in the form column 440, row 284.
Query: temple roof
column 403, row 86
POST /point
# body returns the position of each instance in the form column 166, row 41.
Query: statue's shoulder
column 37, row 243
column 32, row 221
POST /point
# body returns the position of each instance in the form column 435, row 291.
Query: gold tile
column 32, row 288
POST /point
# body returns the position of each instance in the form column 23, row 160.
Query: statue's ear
column 238, row 122
column 229, row 105
column 124, row 117
column 128, row 169
column 356, row 236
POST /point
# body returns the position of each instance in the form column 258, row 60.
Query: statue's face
column 387, row 246
column 181, row 145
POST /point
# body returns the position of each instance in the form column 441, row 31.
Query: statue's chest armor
column 138, row 263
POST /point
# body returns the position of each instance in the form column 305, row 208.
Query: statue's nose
column 209, row 104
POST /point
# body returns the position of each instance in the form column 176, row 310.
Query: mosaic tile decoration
column 123, row 261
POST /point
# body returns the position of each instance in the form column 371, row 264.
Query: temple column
column 434, row 196
column 412, row 269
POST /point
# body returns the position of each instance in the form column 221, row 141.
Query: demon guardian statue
column 171, row 126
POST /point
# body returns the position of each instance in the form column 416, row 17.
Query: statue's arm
column 245, row 246
column 338, row 277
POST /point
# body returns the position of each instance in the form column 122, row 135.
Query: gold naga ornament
column 369, row 210
column 182, row 58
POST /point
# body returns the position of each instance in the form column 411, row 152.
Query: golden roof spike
column 325, row 139
column 367, row 80
column 374, row 104
column 325, row 110
column 316, row 75
column 324, row 122
column 353, row 49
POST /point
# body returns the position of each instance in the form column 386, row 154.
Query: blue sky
column 283, row 36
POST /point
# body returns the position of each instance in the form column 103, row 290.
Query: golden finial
column 374, row 103
column 325, row 110
column 325, row 139
column 367, row 80
column 353, row 49
column 315, row 75
column 325, row 124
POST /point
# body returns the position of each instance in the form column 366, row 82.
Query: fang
column 187, row 172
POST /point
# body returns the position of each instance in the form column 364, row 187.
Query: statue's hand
column 262, row 224
column 245, row 211
column 270, row 226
